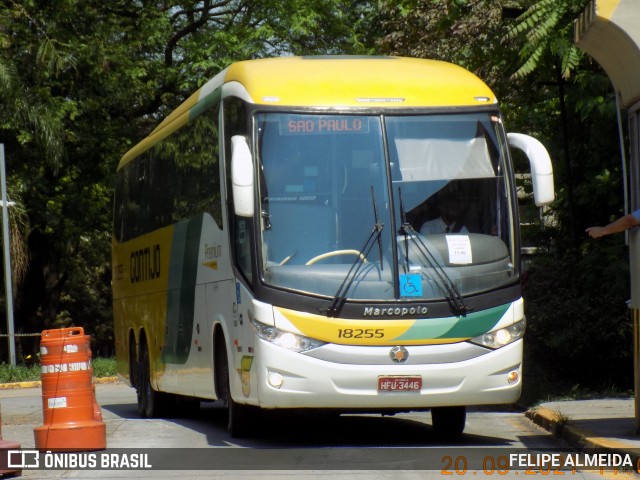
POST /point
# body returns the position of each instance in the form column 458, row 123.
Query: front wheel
column 448, row 422
column 241, row 418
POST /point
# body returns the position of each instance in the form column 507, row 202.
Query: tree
column 569, row 106
column 100, row 75
column 579, row 103
column 547, row 27
column 29, row 121
column 465, row 32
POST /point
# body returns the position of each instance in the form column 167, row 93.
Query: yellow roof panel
column 334, row 81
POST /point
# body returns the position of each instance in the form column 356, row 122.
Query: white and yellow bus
column 286, row 239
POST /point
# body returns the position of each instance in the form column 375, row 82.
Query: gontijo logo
column 144, row 264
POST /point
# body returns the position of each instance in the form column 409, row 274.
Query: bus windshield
column 416, row 203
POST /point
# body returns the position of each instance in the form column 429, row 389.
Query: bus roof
column 335, row 82
column 348, row 81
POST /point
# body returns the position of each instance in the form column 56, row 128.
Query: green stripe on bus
column 469, row 326
column 182, row 290
column 204, row 103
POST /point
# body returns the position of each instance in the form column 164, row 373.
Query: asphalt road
column 197, row 445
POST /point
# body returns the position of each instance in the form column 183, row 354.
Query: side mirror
column 541, row 169
column 242, row 176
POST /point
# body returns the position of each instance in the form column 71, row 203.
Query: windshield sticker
column 459, row 249
column 410, row 285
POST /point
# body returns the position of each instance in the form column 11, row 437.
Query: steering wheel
column 335, row 253
column 287, row 259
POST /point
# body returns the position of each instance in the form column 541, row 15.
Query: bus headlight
column 502, row 337
column 288, row 340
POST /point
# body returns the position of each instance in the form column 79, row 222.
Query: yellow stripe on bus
column 357, row 332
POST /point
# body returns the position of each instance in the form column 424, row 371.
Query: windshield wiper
column 454, row 297
column 378, row 226
column 340, row 297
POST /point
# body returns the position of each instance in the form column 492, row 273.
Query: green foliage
column 19, row 373
column 546, row 31
column 81, row 81
column 578, row 326
column 102, row 367
column 464, row 32
column 27, row 110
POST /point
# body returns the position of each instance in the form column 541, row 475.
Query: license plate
column 396, row 384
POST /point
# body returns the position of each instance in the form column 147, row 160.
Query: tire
column 151, row 404
column 140, row 373
column 448, row 422
column 240, row 418
column 133, row 362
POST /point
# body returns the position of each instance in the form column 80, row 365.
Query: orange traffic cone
column 5, row 461
column 72, row 417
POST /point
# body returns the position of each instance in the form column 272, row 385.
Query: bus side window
column 235, row 123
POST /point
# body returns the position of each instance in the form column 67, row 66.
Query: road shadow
column 622, row 428
column 128, row 411
column 294, row 429
column 295, row 440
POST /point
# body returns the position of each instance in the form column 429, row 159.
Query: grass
column 19, row 373
column 102, row 367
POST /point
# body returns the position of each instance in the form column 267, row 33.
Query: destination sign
column 322, row 124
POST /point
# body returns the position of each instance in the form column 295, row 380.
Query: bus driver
column 451, row 220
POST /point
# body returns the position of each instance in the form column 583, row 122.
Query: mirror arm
column 541, row 168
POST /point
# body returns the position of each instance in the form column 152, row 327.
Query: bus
column 276, row 245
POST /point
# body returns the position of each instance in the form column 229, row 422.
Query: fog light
column 275, row 380
column 513, row 376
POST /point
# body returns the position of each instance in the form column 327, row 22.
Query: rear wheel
column 133, row 362
column 151, row 404
column 448, row 422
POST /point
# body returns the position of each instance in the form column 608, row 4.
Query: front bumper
column 308, row 382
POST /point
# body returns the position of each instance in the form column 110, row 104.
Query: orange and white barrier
column 72, row 416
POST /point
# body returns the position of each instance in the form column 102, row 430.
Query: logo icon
column 399, row 354
column 23, row 459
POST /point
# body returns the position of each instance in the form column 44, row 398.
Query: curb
column 560, row 426
column 38, row 383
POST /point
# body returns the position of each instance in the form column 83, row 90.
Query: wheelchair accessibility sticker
column 410, row 285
